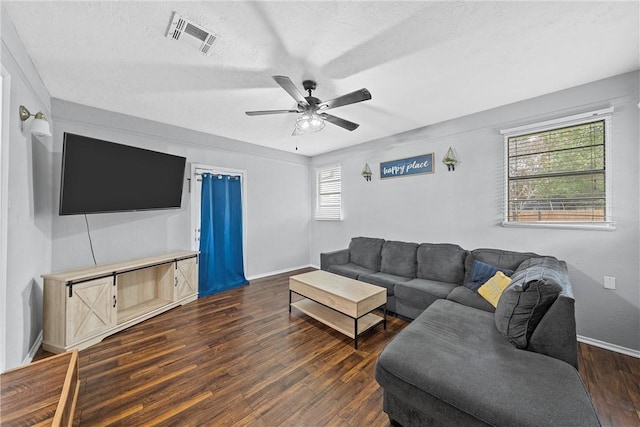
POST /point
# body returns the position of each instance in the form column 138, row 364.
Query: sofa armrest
column 555, row 335
column 334, row 258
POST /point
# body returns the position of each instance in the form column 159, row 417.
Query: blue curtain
column 221, row 265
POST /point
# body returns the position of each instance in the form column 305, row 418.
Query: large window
column 329, row 192
column 556, row 172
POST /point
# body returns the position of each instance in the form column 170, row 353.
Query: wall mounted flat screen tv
column 101, row 176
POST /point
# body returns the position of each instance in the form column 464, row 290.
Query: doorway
column 197, row 170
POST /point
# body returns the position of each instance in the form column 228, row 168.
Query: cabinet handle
column 114, row 301
column 175, row 279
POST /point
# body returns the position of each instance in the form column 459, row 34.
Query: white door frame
column 5, row 83
column 198, row 169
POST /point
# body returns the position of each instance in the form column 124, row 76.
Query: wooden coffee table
column 339, row 302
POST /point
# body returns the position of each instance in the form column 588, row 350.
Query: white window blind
column 557, row 173
column 329, row 192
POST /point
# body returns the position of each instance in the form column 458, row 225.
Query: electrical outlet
column 609, row 282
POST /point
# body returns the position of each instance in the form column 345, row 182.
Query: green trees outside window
column 558, row 175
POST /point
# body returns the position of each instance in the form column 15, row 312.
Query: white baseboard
column 33, row 350
column 272, row 273
column 609, row 346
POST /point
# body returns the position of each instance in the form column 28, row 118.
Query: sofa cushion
column 399, row 258
column 466, row 296
column 496, row 257
column 422, row 293
column 453, row 353
column 493, row 288
column 366, row 251
column 535, row 286
column 349, row 270
column 443, row 262
column 385, row 280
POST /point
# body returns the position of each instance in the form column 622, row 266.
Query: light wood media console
column 83, row 306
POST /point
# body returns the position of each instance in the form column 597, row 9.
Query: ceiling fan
column 312, row 110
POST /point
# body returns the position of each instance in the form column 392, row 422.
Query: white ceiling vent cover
column 194, row 35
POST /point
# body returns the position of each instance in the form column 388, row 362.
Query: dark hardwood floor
column 239, row 358
column 613, row 381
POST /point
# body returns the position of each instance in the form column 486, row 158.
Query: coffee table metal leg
column 289, row 300
column 384, row 317
column 355, row 332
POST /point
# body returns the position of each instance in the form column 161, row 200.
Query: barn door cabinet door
column 91, row 309
column 185, row 278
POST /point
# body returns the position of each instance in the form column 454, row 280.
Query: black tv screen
column 102, row 176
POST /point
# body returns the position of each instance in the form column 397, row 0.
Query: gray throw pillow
column 535, row 285
column 366, row 252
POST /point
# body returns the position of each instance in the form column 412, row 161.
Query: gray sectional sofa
column 463, row 361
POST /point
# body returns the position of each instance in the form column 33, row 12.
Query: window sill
column 600, row 226
column 327, row 219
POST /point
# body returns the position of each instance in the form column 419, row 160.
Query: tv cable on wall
column 90, row 242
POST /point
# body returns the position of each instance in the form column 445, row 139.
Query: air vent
column 192, row 34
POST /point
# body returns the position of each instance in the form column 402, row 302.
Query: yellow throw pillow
column 492, row 289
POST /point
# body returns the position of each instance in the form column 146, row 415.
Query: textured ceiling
column 423, row 62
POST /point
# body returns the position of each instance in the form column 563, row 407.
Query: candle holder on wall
column 366, row 172
column 450, row 160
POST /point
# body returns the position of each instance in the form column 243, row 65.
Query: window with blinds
column 558, row 175
column 329, row 193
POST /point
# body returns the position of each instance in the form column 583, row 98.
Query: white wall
column 465, row 206
column 277, row 196
column 26, row 201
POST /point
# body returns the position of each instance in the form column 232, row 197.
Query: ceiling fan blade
column 263, row 113
column 350, row 98
column 291, row 89
column 340, row 122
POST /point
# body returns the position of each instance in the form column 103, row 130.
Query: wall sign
column 410, row 166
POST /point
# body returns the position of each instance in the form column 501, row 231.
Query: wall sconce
column 366, row 172
column 450, row 160
column 39, row 125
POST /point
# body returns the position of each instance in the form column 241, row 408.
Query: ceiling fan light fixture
column 309, row 122
column 312, row 110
